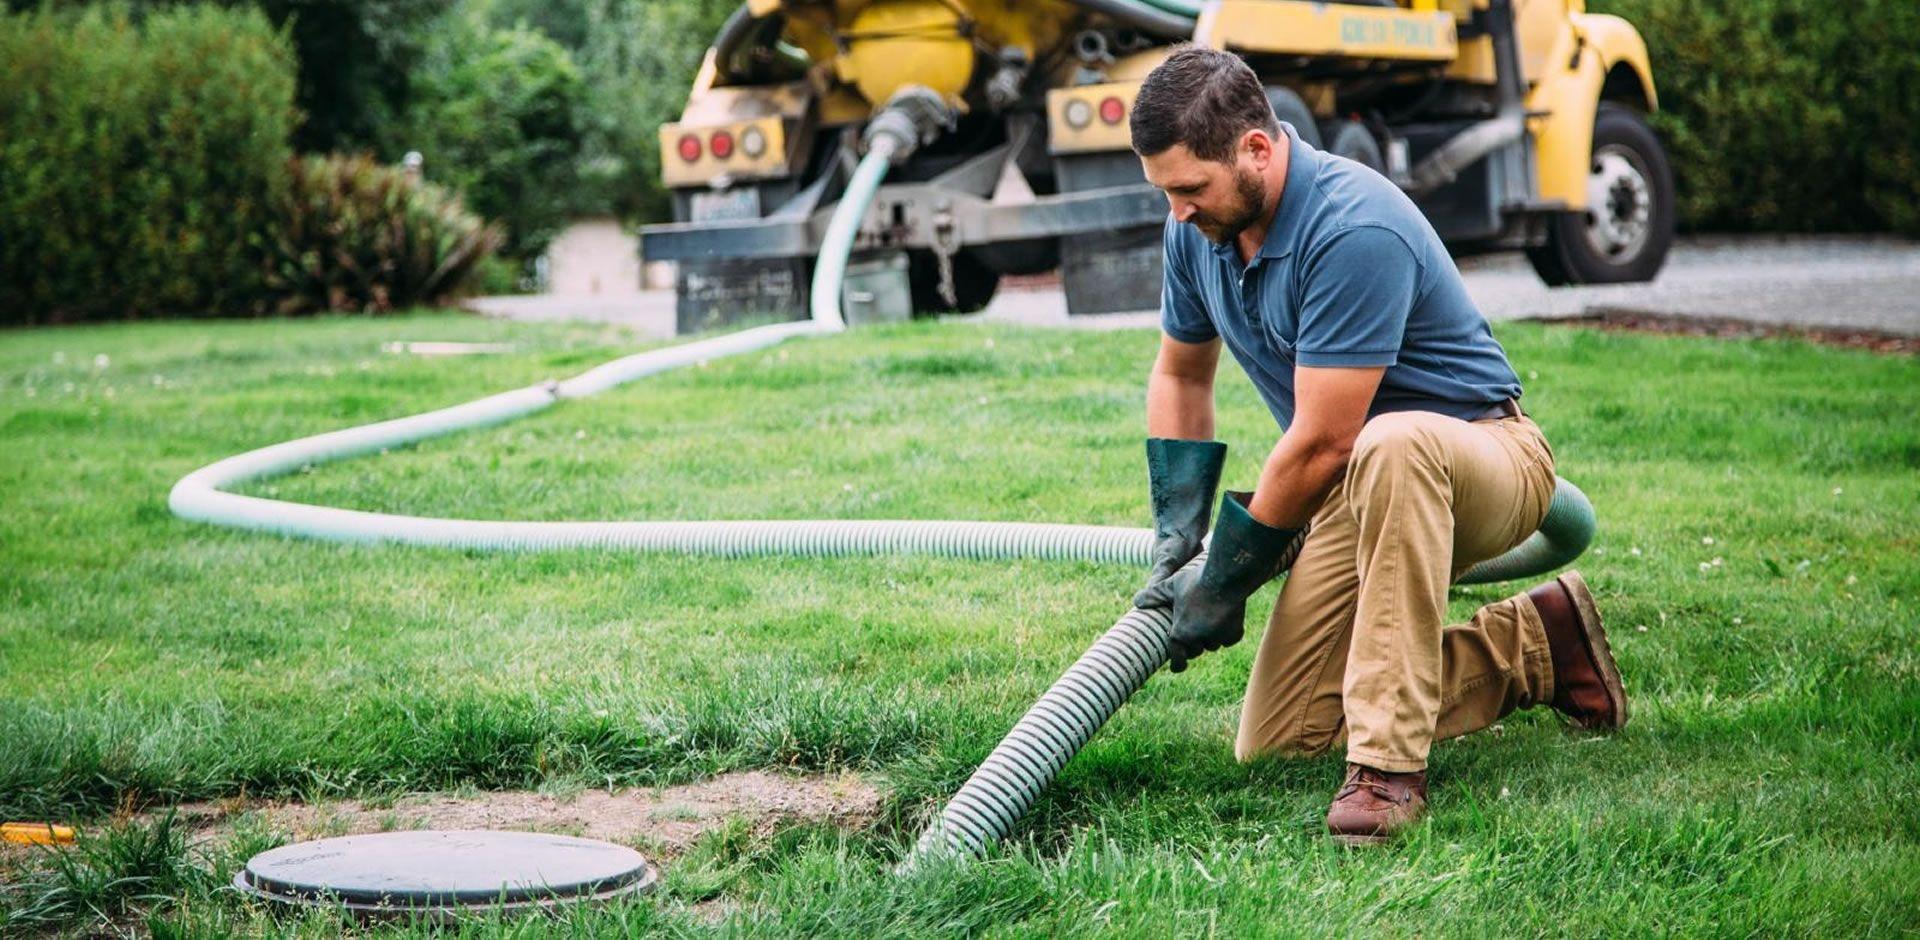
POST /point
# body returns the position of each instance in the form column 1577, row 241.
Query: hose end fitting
column 915, row 116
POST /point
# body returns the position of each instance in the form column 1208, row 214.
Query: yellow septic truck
column 1513, row 124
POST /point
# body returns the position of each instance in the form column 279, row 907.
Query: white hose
column 830, row 270
column 201, row 496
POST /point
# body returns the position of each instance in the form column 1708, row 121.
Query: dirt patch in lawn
column 662, row 820
column 1626, row 320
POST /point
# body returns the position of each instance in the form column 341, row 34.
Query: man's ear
column 1258, row 145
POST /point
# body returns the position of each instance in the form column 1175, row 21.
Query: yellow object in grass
column 35, row 833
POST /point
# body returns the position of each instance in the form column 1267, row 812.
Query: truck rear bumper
column 913, row 215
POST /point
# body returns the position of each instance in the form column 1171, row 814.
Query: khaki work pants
column 1357, row 647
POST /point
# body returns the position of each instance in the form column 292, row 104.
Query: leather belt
column 1506, row 408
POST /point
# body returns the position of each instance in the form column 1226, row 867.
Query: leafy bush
column 356, row 58
column 355, row 235
column 353, row 58
column 496, row 114
column 638, row 60
column 138, row 161
column 1788, row 115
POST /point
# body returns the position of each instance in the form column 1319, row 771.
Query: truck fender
column 1595, row 57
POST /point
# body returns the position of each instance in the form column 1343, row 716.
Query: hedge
column 1788, row 115
column 139, row 162
column 496, row 112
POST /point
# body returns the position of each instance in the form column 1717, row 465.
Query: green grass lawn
column 1756, row 562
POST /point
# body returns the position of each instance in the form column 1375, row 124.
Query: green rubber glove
column 1209, row 601
column 1182, row 477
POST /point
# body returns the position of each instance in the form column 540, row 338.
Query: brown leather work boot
column 1373, row 805
column 1586, row 680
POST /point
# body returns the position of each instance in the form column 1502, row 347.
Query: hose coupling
column 915, row 116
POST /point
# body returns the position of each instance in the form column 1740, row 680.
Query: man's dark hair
column 1203, row 98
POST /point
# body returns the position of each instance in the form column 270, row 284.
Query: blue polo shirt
column 1350, row 274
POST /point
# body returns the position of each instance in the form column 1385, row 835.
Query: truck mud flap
column 1112, row 272
column 716, row 294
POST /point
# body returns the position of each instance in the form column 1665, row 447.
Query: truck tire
column 1627, row 229
column 1352, row 140
column 1289, row 107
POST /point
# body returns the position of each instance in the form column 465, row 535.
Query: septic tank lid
column 428, row 871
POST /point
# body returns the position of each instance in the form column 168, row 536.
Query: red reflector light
column 722, row 145
column 689, row 148
column 1112, row 110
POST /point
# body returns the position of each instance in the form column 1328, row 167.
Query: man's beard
column 1251, row 199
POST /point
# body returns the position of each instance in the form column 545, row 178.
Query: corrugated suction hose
column 1005, row 786
column 985, row 808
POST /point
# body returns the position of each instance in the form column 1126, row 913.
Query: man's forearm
column 1179, row 408
column 1298, row 475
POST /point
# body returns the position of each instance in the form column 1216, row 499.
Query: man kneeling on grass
column 1406, row 457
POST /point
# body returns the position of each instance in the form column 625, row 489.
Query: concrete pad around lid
column 441, row 873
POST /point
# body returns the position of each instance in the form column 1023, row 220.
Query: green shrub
column 638, row 60
column 355, row 235
column 138, row 161
column 1788, row 115
column 496, row 114
column 353, row 58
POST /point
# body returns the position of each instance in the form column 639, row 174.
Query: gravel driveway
column 1833, row 282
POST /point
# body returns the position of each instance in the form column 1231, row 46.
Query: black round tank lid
column 425, row 870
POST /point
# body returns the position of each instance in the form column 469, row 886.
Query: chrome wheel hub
column 1619, row 204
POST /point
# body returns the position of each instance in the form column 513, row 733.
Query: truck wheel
column 1288, row 106
column 973, row 283
column 1627, row 229
column 1352, row 140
